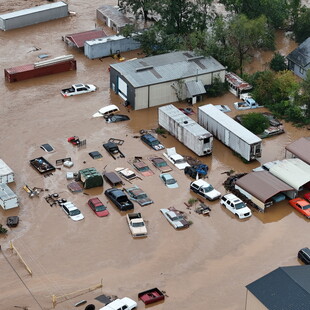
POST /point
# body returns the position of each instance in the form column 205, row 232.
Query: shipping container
column 230, row 132
column 33, row 15
column 185, row 129
column 41, row 68
column 8, row 199
column 6, row 173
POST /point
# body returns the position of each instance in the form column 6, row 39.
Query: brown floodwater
column 206, row 266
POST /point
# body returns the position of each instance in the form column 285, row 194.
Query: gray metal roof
column 33, row 10
column 230, row 123
column 301, row 149
column 115, row 15
column 301, row 55
column 285, row 288
column 262, row 185
column 195, row 88
column 166, row 67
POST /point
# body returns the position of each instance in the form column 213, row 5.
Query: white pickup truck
column 120, row 304
column 77, row 89
column 247, row 103
column 136, row 225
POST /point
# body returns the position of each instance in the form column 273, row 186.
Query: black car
column 119, row 198
column 116, row 118
column 304, row 255
column 151, row 141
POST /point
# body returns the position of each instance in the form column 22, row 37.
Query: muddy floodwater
column 206, row 266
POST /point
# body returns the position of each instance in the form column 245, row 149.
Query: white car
column 72, row 211
column 178, row 221
column 204, row 189
column 235, row 205
column 178, row 160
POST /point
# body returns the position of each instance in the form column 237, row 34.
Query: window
column 301, row 70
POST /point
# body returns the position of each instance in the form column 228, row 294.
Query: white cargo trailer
column 6, row 173
column 185, row 129
column 8, row 198
column 230, row 132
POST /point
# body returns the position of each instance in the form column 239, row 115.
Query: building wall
column 252, row 303
column 299, row 71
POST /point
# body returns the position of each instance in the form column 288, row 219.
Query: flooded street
column 206, row 266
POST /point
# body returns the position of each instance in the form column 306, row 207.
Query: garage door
column 122, row 88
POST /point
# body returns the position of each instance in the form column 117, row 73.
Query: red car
column 74, row 140
column 307, row 196
column 98, row 207
column 301, row 205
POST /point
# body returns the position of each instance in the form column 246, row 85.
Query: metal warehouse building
column 33, row 15
column 161, row 79
column 299, row 149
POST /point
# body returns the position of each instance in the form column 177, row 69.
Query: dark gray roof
column 301, row 149
column 167, row 67
column 285, row 288
column 301, row 55
column 262, row 185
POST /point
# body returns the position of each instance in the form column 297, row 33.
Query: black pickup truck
column 119, row 198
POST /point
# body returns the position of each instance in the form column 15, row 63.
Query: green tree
column 301, row 27
column 139, row 7
column 217, row 88
column 278, row 63
column 304, row 98
column 255, row 122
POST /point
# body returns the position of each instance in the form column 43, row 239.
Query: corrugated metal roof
column 195, row 88
column 33, row 10
column 79, row 38
column 230, row 123
column 285, row 288
column 169, row 67
column 301, row 149
column 185, row 121
column 237, row 81
column 301, row 55
column 115, row 15
column 262, row 185
column 292, row 171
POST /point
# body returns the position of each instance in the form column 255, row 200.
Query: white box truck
column 8, row 199
column 6, row 173
column 185, row 129
column 230, row 132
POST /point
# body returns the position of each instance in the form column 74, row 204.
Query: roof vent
column 195, row 58
column 144, row 68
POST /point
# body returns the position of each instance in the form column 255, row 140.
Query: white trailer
column 6, row 173
column 8, row 199
column 185, row 129
column 230, row 132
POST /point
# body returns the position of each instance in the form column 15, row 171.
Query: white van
column 107, row 110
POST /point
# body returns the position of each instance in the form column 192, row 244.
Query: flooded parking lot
column 206, row 266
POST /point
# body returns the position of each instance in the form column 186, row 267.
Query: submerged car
column 178, row 160
column 142, row 167
column 137, row 194
column 47, row 148
column 98, row 207
column 151, row 141
column 169, row 180
column 160, row 164
column 235, row 205
column 176, row 219
column 301, row 205
column 204, row 189
column 304, row 255
column 116, row 118
column 72, row 211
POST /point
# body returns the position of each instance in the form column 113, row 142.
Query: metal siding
column 257, row 202
column 141, row 101
column 161, row 94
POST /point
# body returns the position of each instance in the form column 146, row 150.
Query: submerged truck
column 6, row 173
column 230, row 132
column 185, row 129
column 136, row 224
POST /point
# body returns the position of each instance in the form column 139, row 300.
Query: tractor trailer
column 230, row 132
column 185, row 129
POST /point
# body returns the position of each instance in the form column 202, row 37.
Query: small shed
column 262, row 188
column 113, row 17
column 292, row 171
column 78, row 39
column 33, row 15
column 90, row 178
column 299, row 149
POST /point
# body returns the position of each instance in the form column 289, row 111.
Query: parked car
column 98, row 207
column 160, row 164
column 307, row 196
column 235, row 205
column 47, row 148
column 151, row 141
column 137, row 194
column 169, row 180
column 301, row 205
column 176, row 159
column 204, row 189
column 116, row 118
column 119, row 198
column 142, row 167
column 177, row 220
column 223, row 108
column 72, row 211
column 304, row 255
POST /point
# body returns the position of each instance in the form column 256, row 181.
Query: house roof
column 285, row 288
column 195, row 88
column 166, row 67
column 79, row 38
column 292, row 171
column 113, row 13
column 301, row 55
column 301, row 149
column 262, row 185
